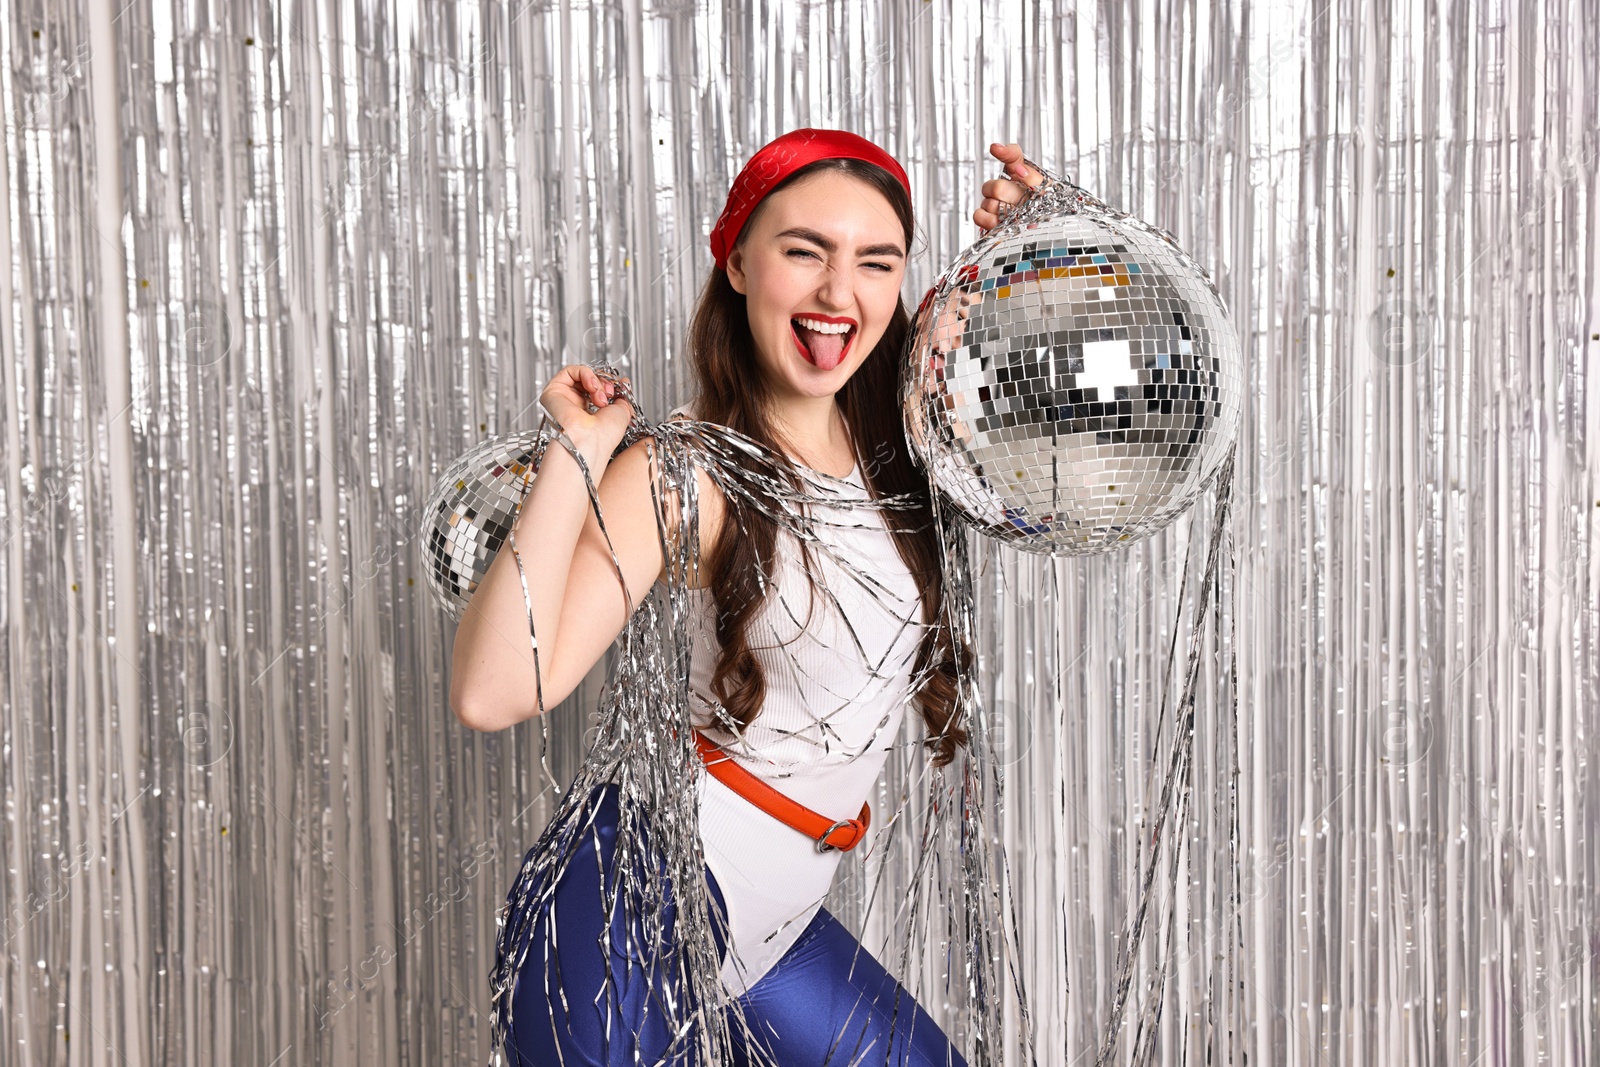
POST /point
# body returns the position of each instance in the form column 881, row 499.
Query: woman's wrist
column 578, row 442
column 568, row 469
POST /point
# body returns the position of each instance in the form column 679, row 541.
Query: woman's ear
column 735, row 271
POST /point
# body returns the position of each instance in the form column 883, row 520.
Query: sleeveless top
column 838, row 665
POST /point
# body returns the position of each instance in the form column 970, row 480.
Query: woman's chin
column 804, row 379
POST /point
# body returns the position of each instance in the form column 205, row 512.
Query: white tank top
column 834, row 707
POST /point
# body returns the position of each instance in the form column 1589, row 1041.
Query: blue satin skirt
column 826, row 1002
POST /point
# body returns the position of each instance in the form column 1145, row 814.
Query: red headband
column 775, row 162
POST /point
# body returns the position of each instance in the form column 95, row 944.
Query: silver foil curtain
column 269, row 268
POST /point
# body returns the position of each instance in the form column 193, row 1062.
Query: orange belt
column 830, row 836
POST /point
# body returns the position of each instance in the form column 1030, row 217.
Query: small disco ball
column 1074, row 380
column 467, row 516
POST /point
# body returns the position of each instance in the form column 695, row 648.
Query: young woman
column 796, row 343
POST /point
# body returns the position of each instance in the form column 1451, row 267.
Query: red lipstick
column 844, row 353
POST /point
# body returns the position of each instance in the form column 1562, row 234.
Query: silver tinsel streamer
column 269, row 268
column 643, row 746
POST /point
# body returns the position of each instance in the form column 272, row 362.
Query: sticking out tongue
column 826, row 349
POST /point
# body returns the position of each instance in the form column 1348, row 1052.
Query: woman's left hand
column 1003, row 193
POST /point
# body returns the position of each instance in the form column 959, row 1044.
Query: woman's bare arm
column 578, row 604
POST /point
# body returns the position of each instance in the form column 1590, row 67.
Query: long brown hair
column 732, row 392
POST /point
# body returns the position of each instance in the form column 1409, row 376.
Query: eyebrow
column 829, row 245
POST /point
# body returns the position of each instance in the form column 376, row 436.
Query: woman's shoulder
column 639, row 469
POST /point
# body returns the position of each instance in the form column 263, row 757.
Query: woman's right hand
column 567, row 398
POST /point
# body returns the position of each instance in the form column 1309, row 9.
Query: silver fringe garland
column 267, row 266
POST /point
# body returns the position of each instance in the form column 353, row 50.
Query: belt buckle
column 822, row 842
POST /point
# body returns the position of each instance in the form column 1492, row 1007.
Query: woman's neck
column 817, row 436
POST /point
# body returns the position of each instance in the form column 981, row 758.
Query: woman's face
column 822, row 255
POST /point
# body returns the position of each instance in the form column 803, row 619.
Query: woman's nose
column 836, row 291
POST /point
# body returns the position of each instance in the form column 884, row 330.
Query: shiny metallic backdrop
column 271, row 268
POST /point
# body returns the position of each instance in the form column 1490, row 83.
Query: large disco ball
column 469, row 512
column 1074, row 380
